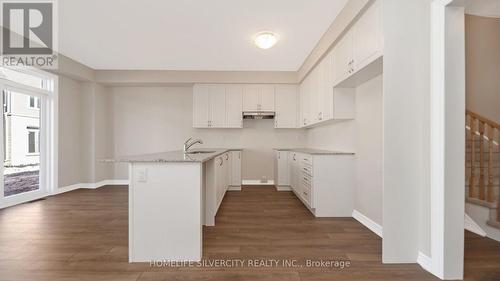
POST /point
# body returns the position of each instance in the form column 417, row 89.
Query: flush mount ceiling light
column 265, row 39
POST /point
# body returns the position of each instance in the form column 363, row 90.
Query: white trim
column 283, row 188
column 441, row 157
column 234, row 188
column 472, row 226
column 90, row 185
column 424, row 261
column 371, row 225
column 257, row 182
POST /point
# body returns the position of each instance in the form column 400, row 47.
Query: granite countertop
column 315, row 151
column 175, row 156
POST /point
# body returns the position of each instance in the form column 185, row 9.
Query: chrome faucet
column 190, row 142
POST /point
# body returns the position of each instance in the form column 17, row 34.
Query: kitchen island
column 171, row 196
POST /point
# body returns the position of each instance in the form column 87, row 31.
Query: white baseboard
column 284, row 188
column 424, row 261
column 90, row 185
column 234, row 188
column 257, row 182
column 364, row 220
column 472, row 226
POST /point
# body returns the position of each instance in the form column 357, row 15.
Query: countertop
column 315, row 151
column 177, row 156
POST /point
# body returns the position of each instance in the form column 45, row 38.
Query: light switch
column 142, row 175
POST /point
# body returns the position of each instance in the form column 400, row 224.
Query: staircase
column 482, row 169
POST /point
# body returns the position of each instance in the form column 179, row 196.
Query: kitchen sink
column 200, row 152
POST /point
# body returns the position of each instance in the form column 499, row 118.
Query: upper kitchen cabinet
column 234, row 106
column 217, row 106
column 368, row 37
column 209, row 106
column 286, row 106
column 258, row 98
column 343, row 61
column 358, row 56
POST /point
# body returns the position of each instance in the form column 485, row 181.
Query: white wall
column 70, row 142
column 406, row 25
column 483, row 65
column 364, row 137
column 155, row 119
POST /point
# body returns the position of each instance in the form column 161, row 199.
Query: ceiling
column 485, row 8
column 192, row 34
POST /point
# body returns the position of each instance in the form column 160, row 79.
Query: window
column 33, row 141
column 34, row 102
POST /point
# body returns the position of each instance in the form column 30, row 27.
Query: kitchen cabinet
column 209, row 106
column 286, row 106
column 293, row 163
column 368, row 37
column 235, row 178
column 258, row 98
column 304, row 102
column 343, row 62
column 201, row 109
column 234, row 106
column 281, row 170
column 323, row 182
column 217, row 103
column 217, row 106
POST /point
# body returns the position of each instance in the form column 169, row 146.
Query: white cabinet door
column 304, row 102
column 368, row 37
column 217, row 106
column 283, row 173
column 236, row 168
column 313, row 95
column 326, row 91
column 234, row 104
column 201, row 112
column 286, row 106
column 251, row 97
column 343, row 62
column 266, row 98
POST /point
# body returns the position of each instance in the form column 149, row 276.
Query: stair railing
column 485, row 133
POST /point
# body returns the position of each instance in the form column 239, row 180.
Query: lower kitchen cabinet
column 281, row 170
column 235, row 177
column 323, row 182
column 218, row 174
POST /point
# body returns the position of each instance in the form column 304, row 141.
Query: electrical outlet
column 142, row 175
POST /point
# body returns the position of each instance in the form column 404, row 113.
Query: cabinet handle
column 221, row 161
column 294, row 158
column 305, row 193
column 227, row 156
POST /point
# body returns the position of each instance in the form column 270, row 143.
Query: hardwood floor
column 83, row 235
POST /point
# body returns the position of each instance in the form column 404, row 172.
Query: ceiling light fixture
column 265, row 39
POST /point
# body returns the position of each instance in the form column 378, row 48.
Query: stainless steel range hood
column 258, row 115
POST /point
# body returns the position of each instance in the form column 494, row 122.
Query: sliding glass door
column 26, row 169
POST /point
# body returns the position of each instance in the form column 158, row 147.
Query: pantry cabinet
column 258, row 98
column 287, row 99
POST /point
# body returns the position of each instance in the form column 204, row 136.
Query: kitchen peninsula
column 172, row 195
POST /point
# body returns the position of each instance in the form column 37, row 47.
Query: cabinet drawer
column 306, row 195
column 306, row 159
column 306, row 170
